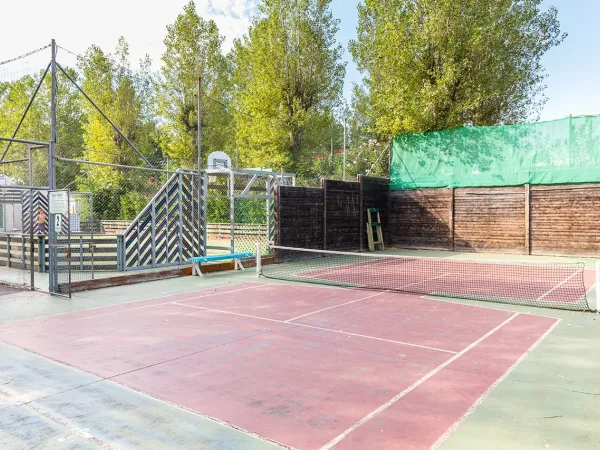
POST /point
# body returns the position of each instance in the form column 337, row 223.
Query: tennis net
column 531, row 283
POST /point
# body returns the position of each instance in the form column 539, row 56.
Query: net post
column 258, row 260
column 598, row 286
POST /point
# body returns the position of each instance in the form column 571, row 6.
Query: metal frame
column 30, row 235
column 155, row 232
column 147, row 243
column 54, row 250
column 243, row 191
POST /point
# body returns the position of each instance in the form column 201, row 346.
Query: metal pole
column 31, row 242
column 30, row 165
column 112, row 124
column 199, row 136
column 25, row 112
column 344, row 167
column 258, row 259
column 92, row 230
column 232, row 211
column 199, row 164
column 51, row 149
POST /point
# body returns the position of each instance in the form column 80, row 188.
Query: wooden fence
column 331, row 217
column 539, row 220
column 98, row 253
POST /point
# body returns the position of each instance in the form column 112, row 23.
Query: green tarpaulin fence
column 555, row 152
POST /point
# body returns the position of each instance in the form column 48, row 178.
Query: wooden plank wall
column 374, row 193
column 491, row 219
column 565, row 220
column 420, row 219
column 342, row 215
column 541, row 220
column 299, row 217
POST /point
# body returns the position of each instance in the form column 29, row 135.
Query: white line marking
column 112, row 304
column 560, row 284
column 228, row 312
column 428, row 279
column 316, row 328
column 493, row 306
column 333, row 307
column 374, row 338
column 157, row 304
column 481, row 399
column 413, row 386
column 197, row 413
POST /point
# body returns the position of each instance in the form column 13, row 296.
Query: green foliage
column 288, row 78
column 433, row 65
column 193, row 51
column 132, row 202
column 123, row 95
column 275, row 99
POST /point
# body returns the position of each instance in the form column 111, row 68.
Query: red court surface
column 307, row 367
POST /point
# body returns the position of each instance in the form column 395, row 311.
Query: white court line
column 413, row 386
column 333, row 307
column 161, row 304
column 428, row 279
column 316, row 328
column 112, row 305
column 444, row 437
column 559, row 285
column 408, row 344
column 196, row 413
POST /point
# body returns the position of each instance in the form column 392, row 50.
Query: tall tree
column 437, row 64
column 14, row 97
column 193, row 51
column 122, row 95
column 289, row 78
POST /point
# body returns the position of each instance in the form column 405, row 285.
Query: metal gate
column 240, row 208
column 59, row 242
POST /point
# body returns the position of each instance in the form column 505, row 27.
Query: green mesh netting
column 560, row 151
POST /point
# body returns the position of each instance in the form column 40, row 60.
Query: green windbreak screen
column 561, row 151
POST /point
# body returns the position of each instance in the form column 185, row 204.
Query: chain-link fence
column 240, row 209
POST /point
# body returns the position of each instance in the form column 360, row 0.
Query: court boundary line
column 214, row 294
column 316, row 328
column 333, row 307
column 117, row 304
column 201, row 415
column 100, row 379
column 561, row 283
column 416, row 384
column 456, row 425
column 8, row 324
column 493, row 305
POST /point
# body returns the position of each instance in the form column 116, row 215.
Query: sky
column 573, row 67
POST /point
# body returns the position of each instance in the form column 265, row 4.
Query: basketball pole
column 201, row 225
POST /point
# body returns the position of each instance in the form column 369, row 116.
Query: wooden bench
column 197, row 260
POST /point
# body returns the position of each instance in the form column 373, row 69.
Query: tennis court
column 301, row 366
